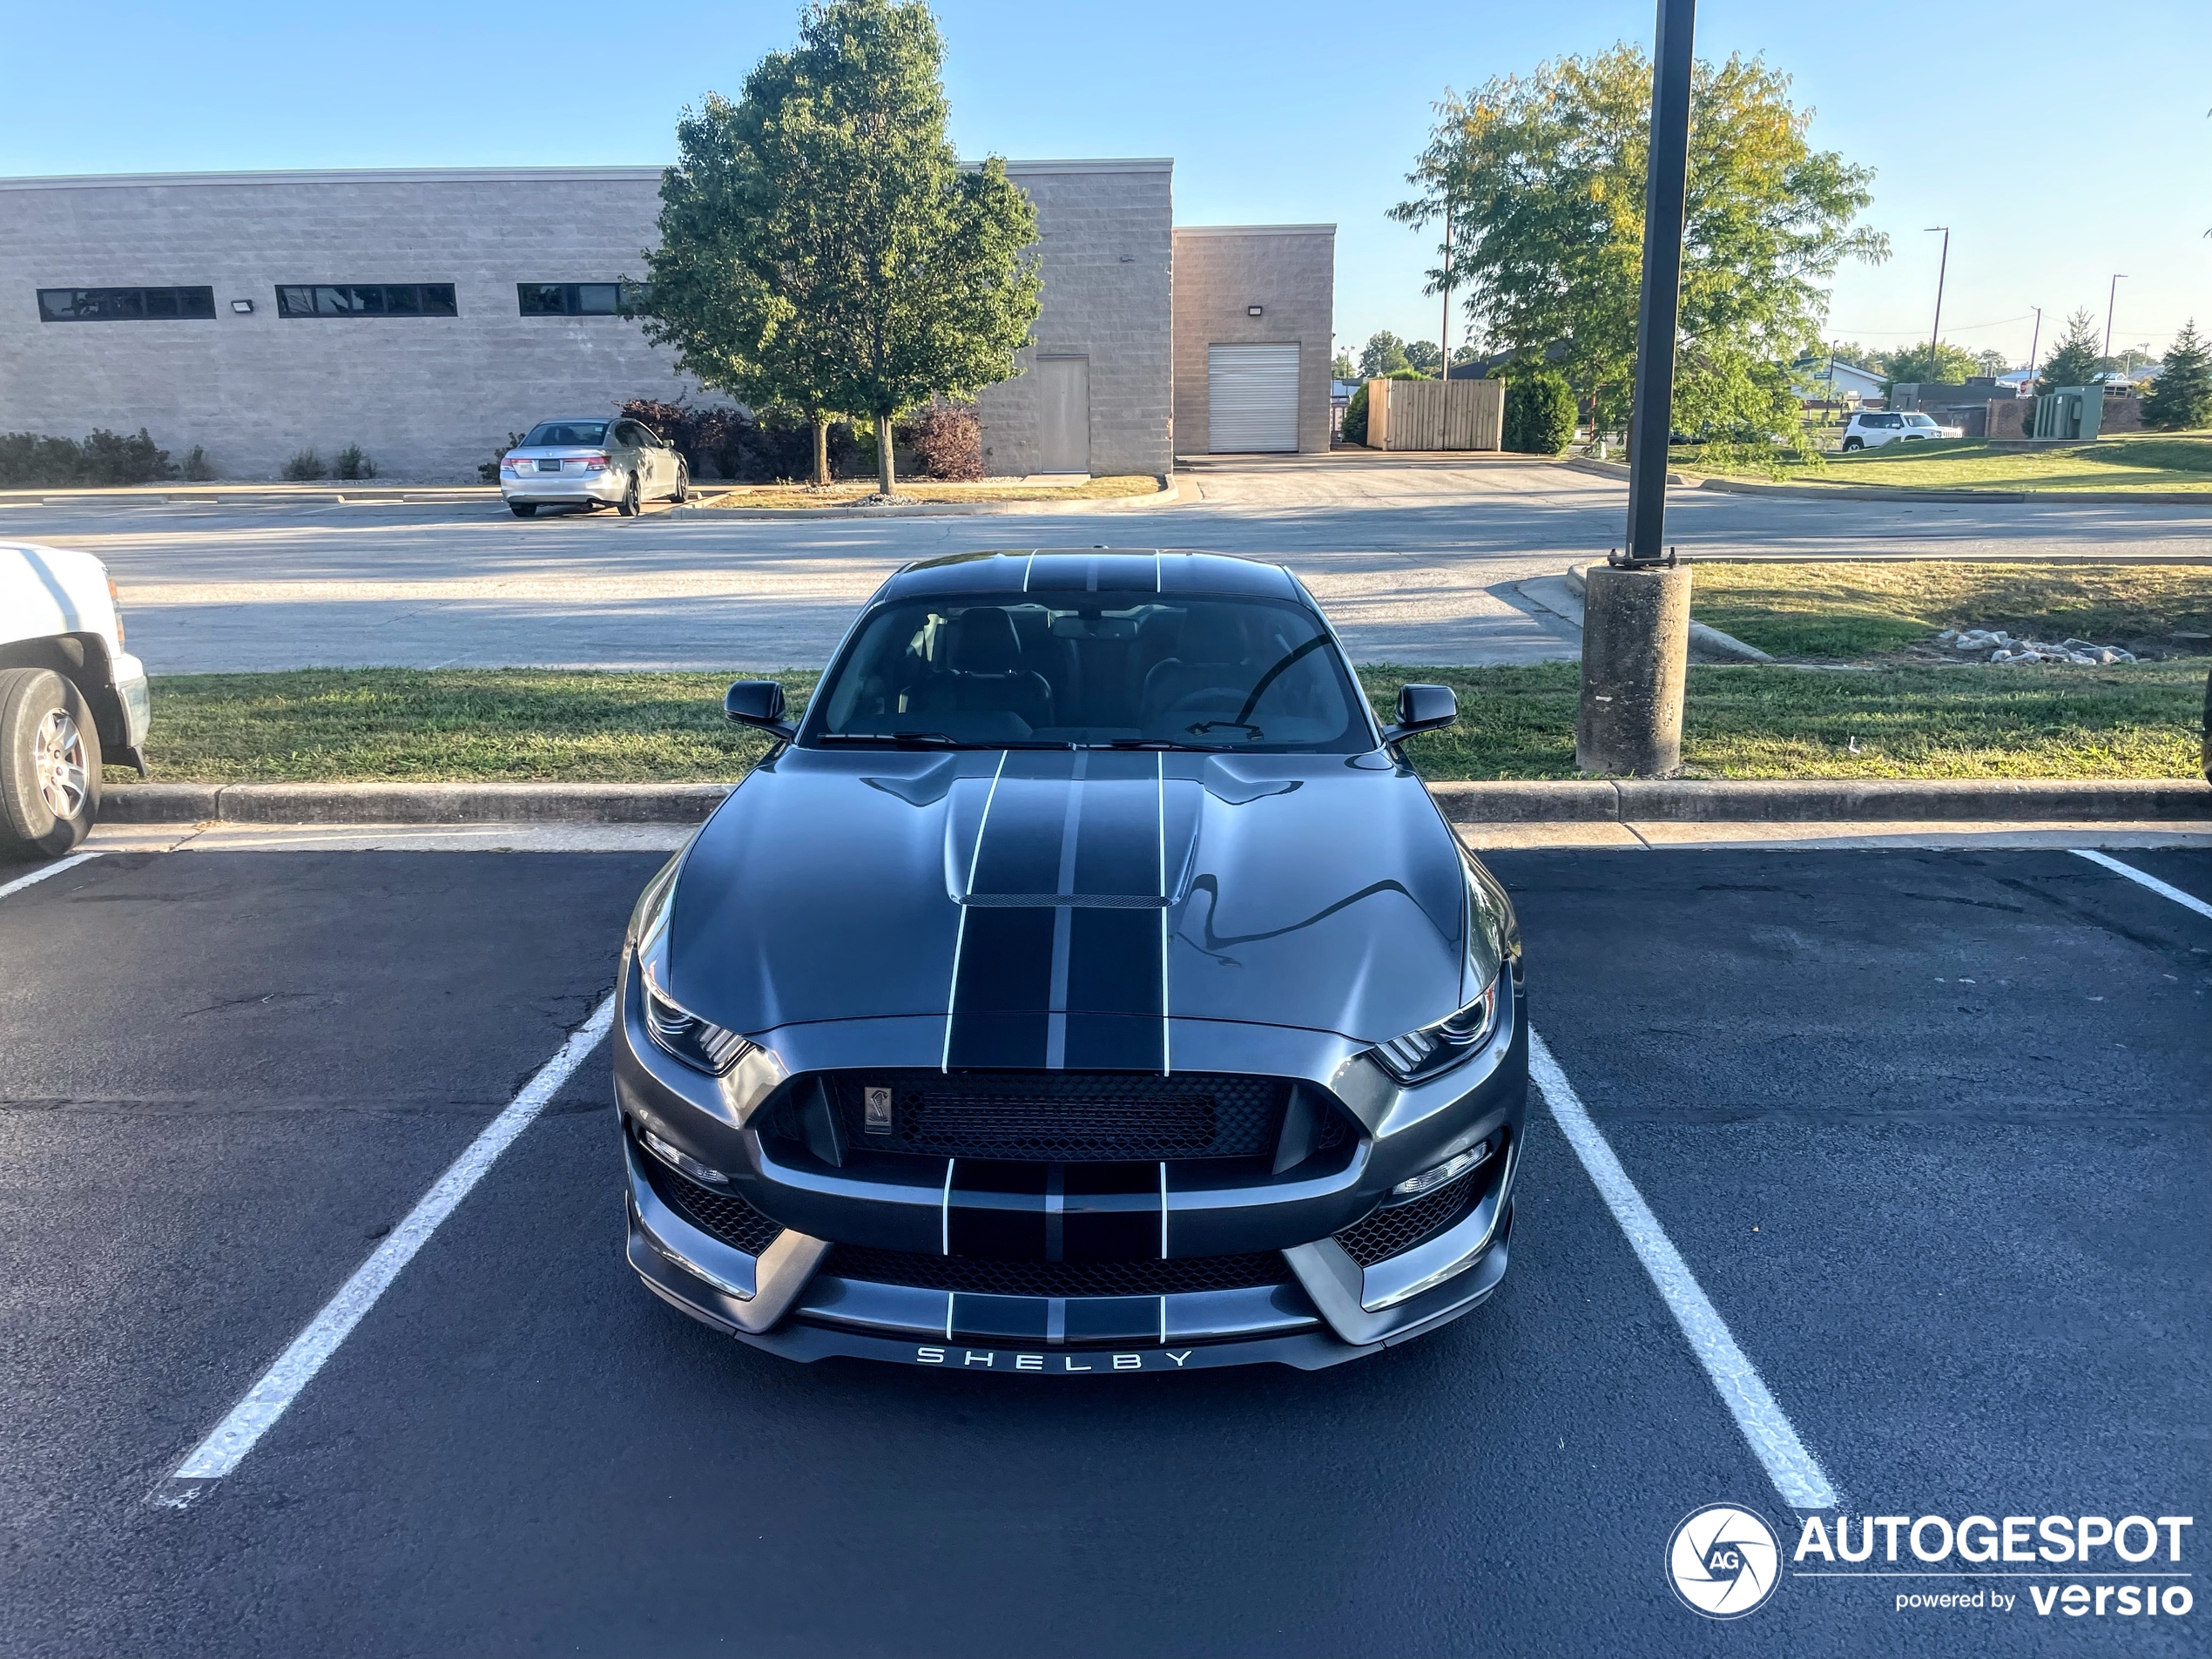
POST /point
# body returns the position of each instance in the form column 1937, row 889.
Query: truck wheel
column 50, row 765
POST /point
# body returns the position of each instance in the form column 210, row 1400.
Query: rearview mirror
column 758, row 703
column 1422, row 708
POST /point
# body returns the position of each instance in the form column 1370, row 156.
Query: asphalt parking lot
column 1931, row 1128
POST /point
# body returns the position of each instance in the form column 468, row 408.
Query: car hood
column 1043, row 899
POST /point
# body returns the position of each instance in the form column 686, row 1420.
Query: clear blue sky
column 1281, row 111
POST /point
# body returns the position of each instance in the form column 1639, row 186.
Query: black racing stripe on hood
column 1062, row 960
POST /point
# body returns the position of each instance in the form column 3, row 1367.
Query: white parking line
column 2189, row 901
column 279, row 1386
column 44, row 871
column 1792, row 1469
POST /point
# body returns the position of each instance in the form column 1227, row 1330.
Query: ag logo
column 1724, row 1560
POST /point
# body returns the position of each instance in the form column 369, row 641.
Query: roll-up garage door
column 1251, row 399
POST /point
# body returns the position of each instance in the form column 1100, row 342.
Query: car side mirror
column 758, row 703
column 1422, row 708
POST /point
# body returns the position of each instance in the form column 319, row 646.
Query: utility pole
column 2034, row 344
column 1443, row 333
column 1935, row 334
column 1635, row 637
column 2111, row 295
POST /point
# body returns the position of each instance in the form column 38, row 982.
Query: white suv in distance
column 1872, row 431
column 593, row 461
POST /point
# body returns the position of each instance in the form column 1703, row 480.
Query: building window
column 366, row 300
column 570, row 299
column 126, row 305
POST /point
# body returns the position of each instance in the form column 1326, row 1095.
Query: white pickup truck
column 71, row 698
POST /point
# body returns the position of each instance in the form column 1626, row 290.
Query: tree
column 1544, row 175
column 821, row 244
column 1941, row 364
column 1342, row 368
column 2181, row 396
column 1423, row 356
column 1383, row 354
column 1464, row 355
column 2073, row 362
column 1993, row 363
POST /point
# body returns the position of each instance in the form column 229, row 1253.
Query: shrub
column 948, row 440
column 1355, row 416
column 1540, row 412
column 740, row 445
column 488, row 471
column 352, row 463
column 305, row 464
column 198, row 468
column 104, row 458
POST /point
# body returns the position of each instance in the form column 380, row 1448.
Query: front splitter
column 1310, row 1351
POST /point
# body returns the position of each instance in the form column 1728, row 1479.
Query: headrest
column 987, row 644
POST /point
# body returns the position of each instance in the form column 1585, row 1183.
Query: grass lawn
column 2136, row 460
column 517, row 724
column 1856, row 610
column 843, row 495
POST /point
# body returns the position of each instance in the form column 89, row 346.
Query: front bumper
column 784, row 1286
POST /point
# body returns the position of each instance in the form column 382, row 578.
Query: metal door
column 1063, row 414
column 1251, row 399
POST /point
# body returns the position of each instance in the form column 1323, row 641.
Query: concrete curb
column 1704, row 639
column 258, row 495
column 1171, row 492
column 1612, row 469
column 1823, row 799
column 1683, row 800
column 1847, row 491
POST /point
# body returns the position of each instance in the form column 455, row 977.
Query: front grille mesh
column 980, row 1277
column 722, row 1215
column 1397, row 1230
column 1071, row 1117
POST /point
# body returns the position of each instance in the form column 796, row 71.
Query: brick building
column 425, row 315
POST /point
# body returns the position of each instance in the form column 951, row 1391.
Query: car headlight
column 1429, row 1050
column 673, row 1028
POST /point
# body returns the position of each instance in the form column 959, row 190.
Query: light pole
column 1935, row 334
column 2034, row 343
column 2111, row 295
column 1635, row 612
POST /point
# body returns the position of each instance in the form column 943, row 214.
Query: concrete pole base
column 1635, row 655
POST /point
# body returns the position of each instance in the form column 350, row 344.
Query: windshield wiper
column 910, row 739
column 1163, row 743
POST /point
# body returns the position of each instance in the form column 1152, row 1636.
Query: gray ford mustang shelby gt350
column 1084, row 984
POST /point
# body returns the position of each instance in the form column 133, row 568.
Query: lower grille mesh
column 980, row 1277
column 722, row 1215
column 1397, row 1230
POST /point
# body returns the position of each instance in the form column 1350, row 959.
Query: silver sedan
column 591, row 462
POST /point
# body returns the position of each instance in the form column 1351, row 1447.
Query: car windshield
column 552, row 435
column 1096, row 671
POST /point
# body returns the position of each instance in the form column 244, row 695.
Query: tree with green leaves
column 1383, row 356
column 1423, row 357
column 1342, row 368
column 2073, row 362
column 1941, row 364
column 2181, row 396
column 822, row 246
column 1992, row 363
column 1544, row 177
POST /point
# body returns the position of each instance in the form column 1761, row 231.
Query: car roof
column 1046, row 572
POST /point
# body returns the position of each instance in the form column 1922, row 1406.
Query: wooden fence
column 1436, row 414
